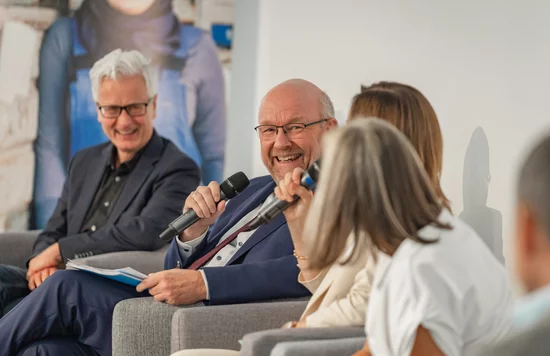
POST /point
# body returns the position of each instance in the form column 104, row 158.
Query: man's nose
column 282, row 140
column 124, row 117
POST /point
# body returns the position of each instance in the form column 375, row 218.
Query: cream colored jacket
column 340, row 293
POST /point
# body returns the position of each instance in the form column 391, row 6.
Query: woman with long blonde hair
column 437, row 289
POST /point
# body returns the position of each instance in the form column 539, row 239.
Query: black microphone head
column 314, row 170
column 311, row 176
column 234, row 185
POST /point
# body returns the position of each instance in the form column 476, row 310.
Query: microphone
column 230, row 188
column 274, row 207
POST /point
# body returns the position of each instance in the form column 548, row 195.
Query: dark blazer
column 152, row 197
column 263, row 268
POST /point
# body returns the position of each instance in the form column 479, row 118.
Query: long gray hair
column 372, row 184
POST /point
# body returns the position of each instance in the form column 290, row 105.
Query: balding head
column 295, row 101
column 533, row 218
column 301, row 87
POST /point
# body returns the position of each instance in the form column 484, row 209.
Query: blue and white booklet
column 125, row 275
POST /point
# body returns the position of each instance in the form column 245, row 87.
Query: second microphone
column 275, row 206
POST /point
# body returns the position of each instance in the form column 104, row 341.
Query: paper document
column 125, row 275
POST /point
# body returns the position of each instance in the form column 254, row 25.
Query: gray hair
column 123, row 63
column 327, row 108
column 533, row 183
column 373, row 185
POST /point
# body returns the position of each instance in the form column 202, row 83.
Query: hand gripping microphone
column 230, row 188
column 274, row 207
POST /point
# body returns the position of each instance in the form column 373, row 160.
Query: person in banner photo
column 191, row 98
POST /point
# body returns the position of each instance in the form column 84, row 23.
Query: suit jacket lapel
column 91, row 179
column 255, row 200
column 149, row 157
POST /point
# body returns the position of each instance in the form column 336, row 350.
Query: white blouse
column 455, row 288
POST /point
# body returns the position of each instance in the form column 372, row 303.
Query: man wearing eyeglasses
column 218, row 260
column 118, row 196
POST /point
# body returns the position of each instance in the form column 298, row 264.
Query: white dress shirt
column 455, row 288
column 227, row 252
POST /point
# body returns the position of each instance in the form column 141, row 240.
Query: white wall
column 480, row 63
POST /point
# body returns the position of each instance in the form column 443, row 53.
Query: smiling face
column 129, row 134
column 294, row 101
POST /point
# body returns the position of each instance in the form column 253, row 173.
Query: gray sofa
column 312, row 341
column 145, row 327
column 336, row 347
column 16, row 247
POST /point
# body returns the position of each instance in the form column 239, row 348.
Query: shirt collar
column 127, row 166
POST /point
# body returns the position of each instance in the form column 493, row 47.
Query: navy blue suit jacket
column 151, row 198
column 263, row 268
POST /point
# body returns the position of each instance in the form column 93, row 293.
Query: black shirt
column 109, row 191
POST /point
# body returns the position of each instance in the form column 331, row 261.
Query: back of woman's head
column 373, row 184
column 410, row 111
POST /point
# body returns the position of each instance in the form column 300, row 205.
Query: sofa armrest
column 141, row 326
column 334, row 347
column 261, row 343
column 223, row 326
column 144, row 261
column 16, row 247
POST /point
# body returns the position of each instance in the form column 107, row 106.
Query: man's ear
column 154, row 106
column 331, row 123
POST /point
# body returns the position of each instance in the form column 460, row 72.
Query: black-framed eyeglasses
column 291, row 130
column 113, row 111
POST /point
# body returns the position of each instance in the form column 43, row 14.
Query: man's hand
column 203, row 202
column 175, row 286
column 50, row 257
column 40, row 276
column 296, row 214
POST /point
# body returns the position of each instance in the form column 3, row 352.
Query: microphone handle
column 271, row 210
column 184, row 221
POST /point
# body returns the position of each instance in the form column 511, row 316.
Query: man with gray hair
column 119, row 195
column 532, row 259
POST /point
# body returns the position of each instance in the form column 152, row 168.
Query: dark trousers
column 72, row 306
column 13, row 287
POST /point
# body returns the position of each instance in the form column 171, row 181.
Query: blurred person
column 120, row 195
column 437, row 288
column 190, row 105
column 532, row 258
column 340, row 292
column 214, row 261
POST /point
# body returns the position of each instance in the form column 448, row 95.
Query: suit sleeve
column 249, row 282
column 174, row 255
column 140, row 232
column 56, row 228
